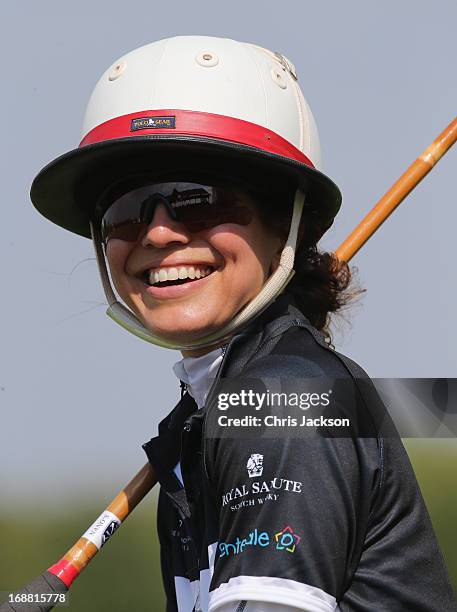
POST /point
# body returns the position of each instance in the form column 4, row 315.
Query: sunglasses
column 199, row 207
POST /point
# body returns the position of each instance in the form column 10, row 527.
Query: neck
column 202, row 351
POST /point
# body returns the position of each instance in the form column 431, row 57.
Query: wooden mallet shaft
column 397, row 193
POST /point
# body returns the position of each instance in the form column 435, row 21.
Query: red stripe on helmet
column 196, row 123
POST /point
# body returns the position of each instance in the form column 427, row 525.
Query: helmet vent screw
column 278, row 77
column 117, row 70
column 208, row 60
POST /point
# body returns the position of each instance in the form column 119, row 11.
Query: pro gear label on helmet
column 153, row 123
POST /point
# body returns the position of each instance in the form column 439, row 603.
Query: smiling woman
column 208, row 221
column 175, row 274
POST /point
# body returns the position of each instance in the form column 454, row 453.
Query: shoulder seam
column 350, row 367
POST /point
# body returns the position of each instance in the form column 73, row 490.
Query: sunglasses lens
column 198, row 207
column 122, row 219
column 126, row 230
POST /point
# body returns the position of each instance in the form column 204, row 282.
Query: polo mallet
column 398, row 192
column 59, row 577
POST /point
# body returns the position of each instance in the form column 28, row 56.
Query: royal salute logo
column 254, row 465
column 258, row 492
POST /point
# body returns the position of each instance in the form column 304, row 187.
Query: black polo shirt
column 325, row 521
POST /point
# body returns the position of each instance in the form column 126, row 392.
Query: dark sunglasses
column 198, row 207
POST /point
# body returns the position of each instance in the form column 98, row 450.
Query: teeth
column 163, row 276
column 173, row 274
column 160, row 275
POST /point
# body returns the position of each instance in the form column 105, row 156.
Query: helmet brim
column 67, row 189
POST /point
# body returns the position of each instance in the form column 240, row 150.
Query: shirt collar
column 198, row 373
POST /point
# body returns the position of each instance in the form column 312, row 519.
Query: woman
column 197, row 179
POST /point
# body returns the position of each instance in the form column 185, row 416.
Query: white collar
column 198, row 373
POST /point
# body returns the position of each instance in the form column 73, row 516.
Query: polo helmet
column 192, row 104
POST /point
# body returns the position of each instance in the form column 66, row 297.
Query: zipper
column 183, row 387
column 209, row 397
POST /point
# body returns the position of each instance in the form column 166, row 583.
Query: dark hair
column 322, row 284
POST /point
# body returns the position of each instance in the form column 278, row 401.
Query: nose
column 164, row 230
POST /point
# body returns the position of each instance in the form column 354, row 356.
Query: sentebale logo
column 286, row 539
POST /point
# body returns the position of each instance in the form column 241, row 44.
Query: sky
column 78, row 395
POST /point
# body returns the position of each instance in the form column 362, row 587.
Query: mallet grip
column 44, row 586
column 59, row 577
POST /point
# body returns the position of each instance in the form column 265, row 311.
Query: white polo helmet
column 191, row 104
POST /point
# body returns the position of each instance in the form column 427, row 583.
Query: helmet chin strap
column 272, row 288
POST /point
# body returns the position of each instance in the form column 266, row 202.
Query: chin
column 183, row 333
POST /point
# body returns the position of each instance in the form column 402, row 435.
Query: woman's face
column 230, row 263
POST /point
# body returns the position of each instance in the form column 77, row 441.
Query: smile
column 166, row 276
